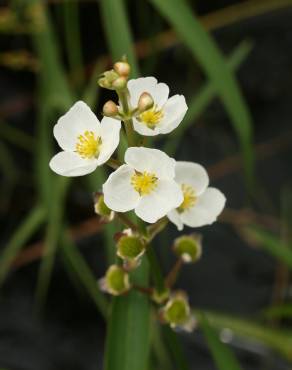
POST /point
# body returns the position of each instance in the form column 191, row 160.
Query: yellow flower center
column 144, row 183
column 189, row 198
column 88, row 145
column 151, row 117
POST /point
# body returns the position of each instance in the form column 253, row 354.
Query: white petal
column 75, row 122
column 208, row 207
column 165, row 197
column 158, row 91
column 119, row 194
column 175, row 218
column 174, row 111
column 160, row 94
column 110, row 136
column 139, row 85
column 192, row 174
column 143, row 130
column 151, row 160
column 71, row 164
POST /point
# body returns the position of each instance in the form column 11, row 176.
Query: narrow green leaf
column 271, row 243
column 83, row 273
column 222, row 355
column 56, row 213
column 276, row 339
column 201, row 100
column 21, row 236
column 175, row 348
column 128, row 336
column 203, row 48
column 278, row 312
column 16, row 136
column 118, row 33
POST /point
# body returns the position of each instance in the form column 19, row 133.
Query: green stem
column 155, row 270
column 123, row 97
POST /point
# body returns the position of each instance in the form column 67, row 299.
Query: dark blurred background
column 235, row 275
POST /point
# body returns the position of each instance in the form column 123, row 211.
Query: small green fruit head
column 116, row 281
column 188, row 247
column 177, row 312
column 130, row 248
column 101, row 209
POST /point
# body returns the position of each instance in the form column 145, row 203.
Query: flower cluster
column 147, row 181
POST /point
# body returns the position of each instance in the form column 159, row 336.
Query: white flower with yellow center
column 166, row 113
column 86, row 142
column 201, row 204
column 145, row 183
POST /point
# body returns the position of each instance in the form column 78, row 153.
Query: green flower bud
column 110, row 109
column 107, row 79
column 116, row 281
column 101, row 208
column 130, row 247
column 120, row 83
column 122, row 68
column 177, row 312
column 145, row 102
column 188, row 248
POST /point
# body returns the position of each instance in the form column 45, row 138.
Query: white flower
column 202, row 204
column 166, row 113
column 86, row 142
column 145, row 183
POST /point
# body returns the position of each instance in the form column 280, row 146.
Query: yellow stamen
column 144, row 183
column 151, row 117
column 189, row 198
column 88, row 145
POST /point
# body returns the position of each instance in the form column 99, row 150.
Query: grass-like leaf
column 203, row 98
column 128, row 336
column 222, row 355
column 21, row 236
column 118, row 33
column 271, row 243
column 83, row 273
column 203, row 48
column 276, row 339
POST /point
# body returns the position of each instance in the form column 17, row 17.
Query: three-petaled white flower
column 201, row 204
column 165, row 115
column 86, row 142
column 145, row 183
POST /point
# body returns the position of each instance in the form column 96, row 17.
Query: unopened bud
column 188, row 247
column 116, row 281
column 145, row 102
column 107, row 79
column 101, row 208
column 177, row 312
column 110, row 109
column 120, row 83
column 122, row 68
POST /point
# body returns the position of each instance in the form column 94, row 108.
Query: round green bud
column 116, row 280
column 130, row 247
column 188, row 248
column 145, row 102
column 177, row 310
